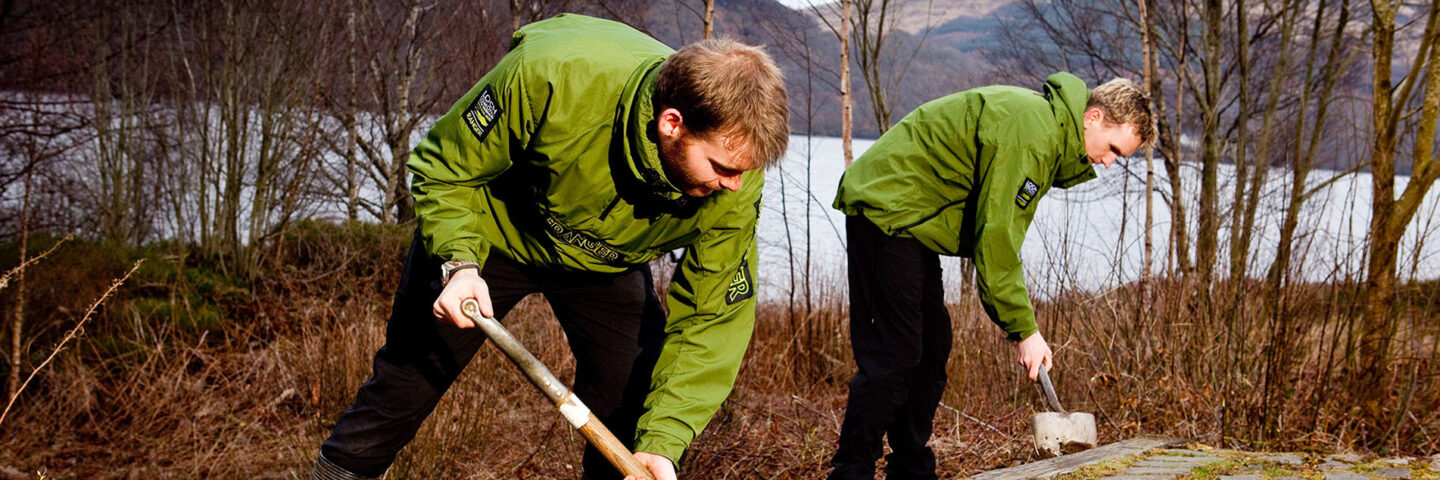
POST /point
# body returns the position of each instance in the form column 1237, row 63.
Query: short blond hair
column 725, row 87
column 1124, row 103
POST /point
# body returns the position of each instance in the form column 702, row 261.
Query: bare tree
column 1147, row 44
column 847, row 125
column 1390, row 215
column 840, row 26
column 1211, row 139
column 1305, row 148
column 390, row 86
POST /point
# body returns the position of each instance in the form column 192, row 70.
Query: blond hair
column 1124, row 103
column 728, row 88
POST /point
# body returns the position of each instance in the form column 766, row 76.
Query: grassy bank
column 189, row 373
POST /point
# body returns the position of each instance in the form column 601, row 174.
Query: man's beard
column 674, row 154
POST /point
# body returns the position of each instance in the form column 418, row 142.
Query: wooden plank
column 1068, row 463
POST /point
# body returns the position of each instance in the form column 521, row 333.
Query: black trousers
column 900, row 332
column 613, row 322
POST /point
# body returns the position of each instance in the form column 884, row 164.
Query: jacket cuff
column 662, row 444
column 456, row 250
column 1022, row 335
column 1020, row 328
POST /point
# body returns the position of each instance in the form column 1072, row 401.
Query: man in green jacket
column 958, row 176
column 588, row 151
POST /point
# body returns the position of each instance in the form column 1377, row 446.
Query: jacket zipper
column 606, row 212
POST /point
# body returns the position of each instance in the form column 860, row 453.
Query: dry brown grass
column 253, row 396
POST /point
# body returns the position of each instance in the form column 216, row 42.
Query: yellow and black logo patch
column 1027, row 193
column 742, row 286
column 483, row 112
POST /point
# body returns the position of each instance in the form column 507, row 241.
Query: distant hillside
column 919, row 65
column 914, row 16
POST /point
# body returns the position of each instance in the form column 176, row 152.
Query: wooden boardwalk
column 1068, row 463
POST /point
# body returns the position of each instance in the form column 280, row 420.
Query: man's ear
column 1094, row 115
column 670, row 123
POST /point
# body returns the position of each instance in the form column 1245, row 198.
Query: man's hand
column 463, row 285
column 660, row 467
column 1032, row 352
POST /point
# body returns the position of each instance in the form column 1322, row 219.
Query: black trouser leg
column 613, row 322
column 898, row 325
column 417, row 364
column 615, row 327
column 913, row 424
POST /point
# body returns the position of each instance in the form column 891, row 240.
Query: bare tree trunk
column 1179, row 224
column 1208, row 234
column 870, row 32
column 17, row 314
column 1389, row 215
column 1279, row 347
column 709, row 17
column 516, row 7
column 1242, row 143
column 847, row 125
column 1304, row 155
column 1147, row 45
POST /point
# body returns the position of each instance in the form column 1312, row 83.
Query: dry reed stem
column 74, row 332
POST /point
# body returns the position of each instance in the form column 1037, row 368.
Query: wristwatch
column 449, row 268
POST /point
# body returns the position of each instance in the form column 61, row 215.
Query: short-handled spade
column 1058, row 432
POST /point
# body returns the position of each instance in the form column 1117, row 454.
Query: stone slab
column 1157, row 471
column 1346, row 457
column 1139, row 477
column 1333, row 465
column 1345, row 476
column 1283, row 458
column 1396, row 461
column 1185, row 452
column 1393, row 472
column 1175, row 462
column 1063, row 464
column 1241, row 477
column 1435, row 463
column 1287, row 478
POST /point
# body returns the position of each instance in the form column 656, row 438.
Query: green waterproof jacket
column 962, row 173
column 551, row 160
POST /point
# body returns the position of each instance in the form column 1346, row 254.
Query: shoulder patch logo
column 741, row 285
column 1026, row 194
column 482, row 113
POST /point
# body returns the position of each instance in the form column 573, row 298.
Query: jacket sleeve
column 1001, row 222
column 466, row 149
column 712, row 315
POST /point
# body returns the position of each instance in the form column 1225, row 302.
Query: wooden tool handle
column 570, row 406
column 619, row 456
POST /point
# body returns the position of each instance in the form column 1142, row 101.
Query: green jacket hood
column 636, row 134
column 1068, row 96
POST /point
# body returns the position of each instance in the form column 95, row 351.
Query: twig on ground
column 976, row 420
column 74, row 332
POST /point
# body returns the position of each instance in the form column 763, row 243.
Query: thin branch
column 74, row 332
column 5, row 280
